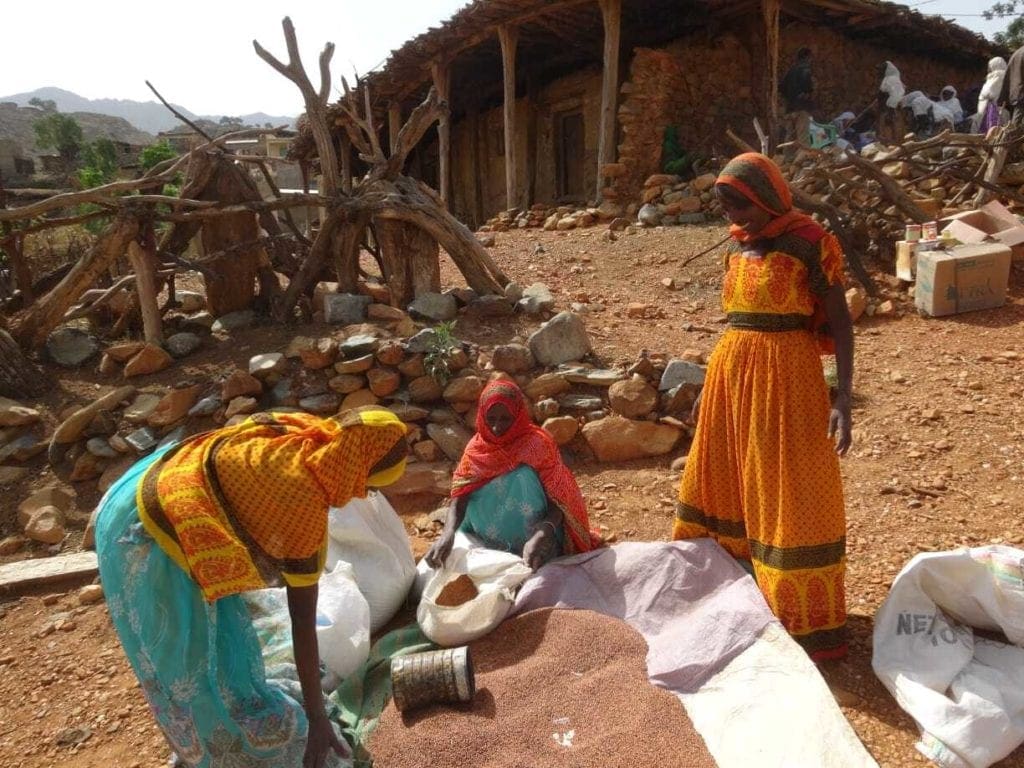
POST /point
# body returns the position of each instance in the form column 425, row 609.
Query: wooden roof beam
column 490, row 30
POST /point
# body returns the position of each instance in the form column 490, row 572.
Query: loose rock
column 46, row 525
column 150, row 359
column 562, row 428
column 634, row 398
column 561, row 339
column 70, row 347
column 617, row 439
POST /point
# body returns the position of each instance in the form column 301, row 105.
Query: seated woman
column 512, row 490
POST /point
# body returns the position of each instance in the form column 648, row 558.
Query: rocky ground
column 936, row 464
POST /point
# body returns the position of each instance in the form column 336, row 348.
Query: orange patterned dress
column 762, row 476
column 245, row 507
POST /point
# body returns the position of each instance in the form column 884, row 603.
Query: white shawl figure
column 892, row 85
column 948, row 99
column 989, row 91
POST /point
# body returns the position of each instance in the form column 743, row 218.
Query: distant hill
column 17, row 123
column 149, row 116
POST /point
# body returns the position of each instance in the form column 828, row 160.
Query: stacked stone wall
column 704, row 86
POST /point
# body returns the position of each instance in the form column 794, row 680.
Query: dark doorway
column 569, row 141
column 429, row 165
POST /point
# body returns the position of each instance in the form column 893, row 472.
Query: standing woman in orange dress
column 762, row 476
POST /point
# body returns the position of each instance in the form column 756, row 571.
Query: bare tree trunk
column 311, row 266
column 419, row 206
column 345, row 246
column 200, row 171
column 408, row 213
column 20, row 268
column 409, row 258
column 234, row 285
column 31, row 328
column 19, row 376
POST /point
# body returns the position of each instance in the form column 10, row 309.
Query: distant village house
column 14, row 165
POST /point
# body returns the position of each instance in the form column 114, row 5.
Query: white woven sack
column 368, row 535
column 342, row 622
column 496, row 575
column 965, row 690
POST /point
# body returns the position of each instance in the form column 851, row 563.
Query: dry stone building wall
column 703, row 86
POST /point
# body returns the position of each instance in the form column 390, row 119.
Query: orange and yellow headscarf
column 759, row 179
column 245, row 507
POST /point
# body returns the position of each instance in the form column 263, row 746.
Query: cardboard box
column 962, row 279
column 990, row 222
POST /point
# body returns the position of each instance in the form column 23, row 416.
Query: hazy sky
column 200, row 55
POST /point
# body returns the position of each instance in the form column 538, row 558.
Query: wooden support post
column 22, row 273
column 532, row 126
column 611, row 12
column 145, row 286
column 394, row 123
column 770, row 13
column 509, row 37
column 443, row 83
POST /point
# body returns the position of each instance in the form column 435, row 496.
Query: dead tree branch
column 178, row 114
column 316, row 101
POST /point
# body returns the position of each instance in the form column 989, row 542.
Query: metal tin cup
column 433, row 677
column 913, row 233
column 930, row 230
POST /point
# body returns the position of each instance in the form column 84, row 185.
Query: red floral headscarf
column 488, row 456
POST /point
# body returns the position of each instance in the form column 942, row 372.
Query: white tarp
column 752, row 693
column 774, row 696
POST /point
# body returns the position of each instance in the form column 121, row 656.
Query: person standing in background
column 988, row 114
column 797, row 90
column 1011, row 95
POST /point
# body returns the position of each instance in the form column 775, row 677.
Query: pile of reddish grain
column 554, row 688
column 457, row 591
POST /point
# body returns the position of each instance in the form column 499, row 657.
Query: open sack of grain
column 471, row 595
column 706, row 638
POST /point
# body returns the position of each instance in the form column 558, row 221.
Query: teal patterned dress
column 199, row 664
column 505, row 512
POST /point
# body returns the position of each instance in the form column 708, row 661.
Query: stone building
column 273, row 146
column 13, row 163
column 567, row 101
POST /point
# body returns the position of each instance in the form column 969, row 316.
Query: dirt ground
column 937, row 464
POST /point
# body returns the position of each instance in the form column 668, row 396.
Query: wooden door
column 569, row 139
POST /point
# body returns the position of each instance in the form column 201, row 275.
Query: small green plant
column 436, row 359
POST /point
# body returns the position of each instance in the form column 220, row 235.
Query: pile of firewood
column 884, row 188
column 868, row 199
